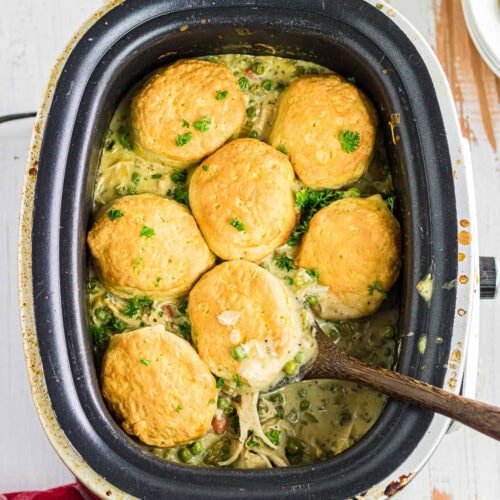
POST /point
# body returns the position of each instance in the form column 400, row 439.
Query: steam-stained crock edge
column 466, row 292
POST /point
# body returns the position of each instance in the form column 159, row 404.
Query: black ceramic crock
column 351, row 37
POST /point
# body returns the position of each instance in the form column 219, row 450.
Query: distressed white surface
column 32, row 33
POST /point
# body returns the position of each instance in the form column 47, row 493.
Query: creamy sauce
column 303, row 422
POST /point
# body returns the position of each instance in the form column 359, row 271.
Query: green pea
column 196, row 448
column 253, row 134
column 251, row 112
column 305, row 404
column 136, row 177
column 294, row 446
column 258, row 68
column 277, row 398
column 291, row 367
column 302, row 393
column 185, row 455
column 267, row 84
column 244, row 83
column 223, row 403
column 334, row 333
column 299, row 357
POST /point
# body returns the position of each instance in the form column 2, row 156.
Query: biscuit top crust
column 242, row 197
column 239, row 305
column 313, row 113
column 355, row 245
column 158, row 387
column 148, row 244
column 186, row 111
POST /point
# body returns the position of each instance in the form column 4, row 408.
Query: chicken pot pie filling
column 226, row 325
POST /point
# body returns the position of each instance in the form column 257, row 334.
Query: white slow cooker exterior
column 466, row 322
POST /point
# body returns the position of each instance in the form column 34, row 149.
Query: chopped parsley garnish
column 178, row 409
column 351, row 79
column 219, row 382
column 239, row 353
column 179, row 176
column 289, row 281
column 103, row 314
column 244, row 83
column 236, row 223
column 237, row 381
column 138, row 306
column 136, row 177
column 283, row 149
column 125, row 139
column 136, row 263
column 258, row 68
column 148, row 232
column 313, row 273
column 274, row 436
column 93, row 285
column 204, row 167
column 284, row 262
column 185, row 123
column 157, row 281
column 185, row 331
column 145, row 362
column 310, row 202
column 220, row 95
column 349, row 140
column 253, row 444
column 376, row 286
column 99, row 334
column 115, row 213
column 183, row 139
column 202, row 125
column 182, row 307
column 180, row 194
column 156, row 176
column 389, row 201
column 118, row 325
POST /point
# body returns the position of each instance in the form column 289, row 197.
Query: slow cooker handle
column 488, row 277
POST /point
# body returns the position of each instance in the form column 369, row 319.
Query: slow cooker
column 431, row 169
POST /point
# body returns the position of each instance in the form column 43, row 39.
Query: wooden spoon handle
column 480, row 416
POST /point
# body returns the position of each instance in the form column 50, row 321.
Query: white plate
column 483, row 22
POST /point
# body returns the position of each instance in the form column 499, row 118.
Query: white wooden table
column 33, row 32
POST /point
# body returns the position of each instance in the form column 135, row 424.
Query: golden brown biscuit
column 244, row 323
column 146, row 244
column 158, row 387
column 243, row 200
column 186, row 111
column 355, row 245
column 313, row 113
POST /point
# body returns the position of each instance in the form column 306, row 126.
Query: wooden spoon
column 332, row 362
